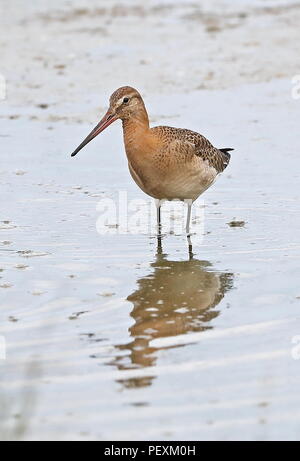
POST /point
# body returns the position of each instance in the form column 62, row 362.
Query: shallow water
column 116, row 337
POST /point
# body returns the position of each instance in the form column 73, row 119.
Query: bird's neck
column 135, row 126
column 138, row 140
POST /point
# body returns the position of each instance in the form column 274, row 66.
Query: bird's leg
column 158, row 215
column 187, row 228
column 191, row 254
column 188, row 218
column 159, row 245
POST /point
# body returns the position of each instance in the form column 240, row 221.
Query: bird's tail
column 225, row 150
column 226, row 155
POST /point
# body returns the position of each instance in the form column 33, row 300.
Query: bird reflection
column 176, row 298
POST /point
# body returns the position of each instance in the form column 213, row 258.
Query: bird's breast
column 160, row 178
column 162, row 173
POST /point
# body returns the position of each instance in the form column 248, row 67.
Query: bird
column 167, row 163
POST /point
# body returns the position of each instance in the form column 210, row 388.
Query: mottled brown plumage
column 166, row 162
column 197, row 144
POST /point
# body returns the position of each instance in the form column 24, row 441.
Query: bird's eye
column 125, row 100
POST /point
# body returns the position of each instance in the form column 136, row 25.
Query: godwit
column 166, row 163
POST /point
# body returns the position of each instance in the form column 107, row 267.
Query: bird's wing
column 187, row 143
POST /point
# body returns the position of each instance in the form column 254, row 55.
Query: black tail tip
column 73, row 154
column 225, row 150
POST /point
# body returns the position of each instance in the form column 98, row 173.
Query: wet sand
column 108, row 334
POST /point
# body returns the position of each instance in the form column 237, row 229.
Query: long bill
column 104, row 123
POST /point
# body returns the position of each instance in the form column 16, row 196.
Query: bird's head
column 124, row 103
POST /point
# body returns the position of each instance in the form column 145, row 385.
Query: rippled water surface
column 118, row 336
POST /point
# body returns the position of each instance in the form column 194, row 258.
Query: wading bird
column 166, row 163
